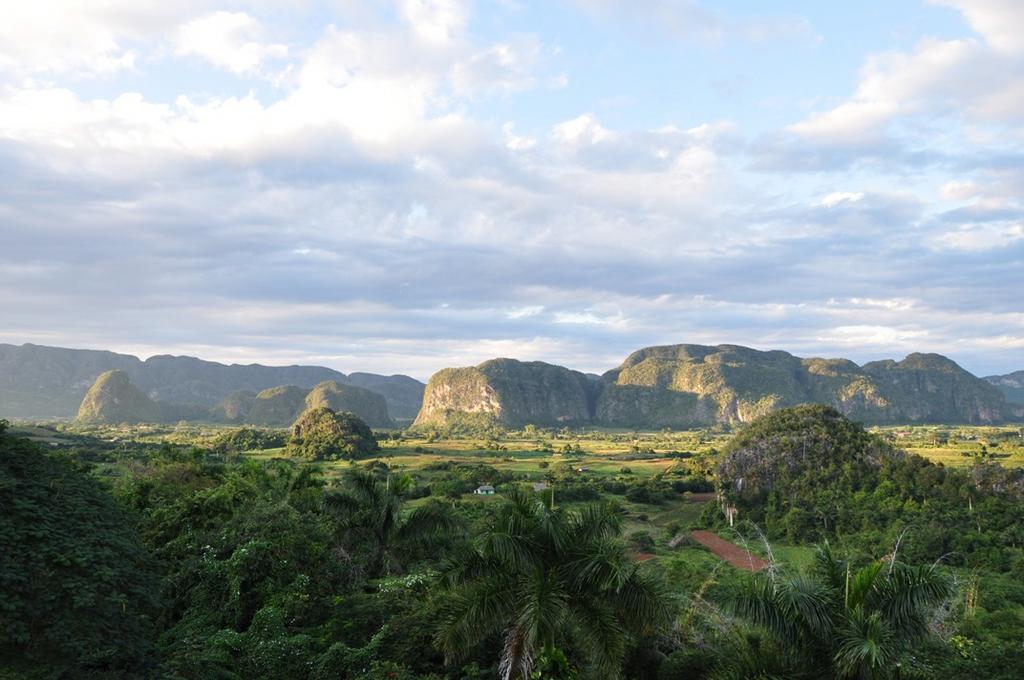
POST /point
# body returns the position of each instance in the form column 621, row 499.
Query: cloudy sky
column 401, row 185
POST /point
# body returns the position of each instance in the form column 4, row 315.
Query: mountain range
column 681, row 386
column 114, row 399
column 39, row 382
column 1011, row 385
column 675, row 386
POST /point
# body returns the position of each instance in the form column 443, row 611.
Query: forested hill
column 39, row 382
column 683, row 386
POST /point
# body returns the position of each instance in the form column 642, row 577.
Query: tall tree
column 372, row 513
column 841, row 622
column 543, row 578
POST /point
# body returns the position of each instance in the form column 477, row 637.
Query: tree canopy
column 322, row 434
column 78, row 586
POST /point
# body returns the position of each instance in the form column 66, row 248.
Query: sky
column 397, row 186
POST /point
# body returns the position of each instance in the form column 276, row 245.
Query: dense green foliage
column 322, row 434
column 842, row 622
column 371, row 511
column 806, row 474
column 77, row 585
column 541, row 578
column 248, row 439
column 249, row 566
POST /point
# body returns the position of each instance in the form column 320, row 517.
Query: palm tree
column 542, row 577
column 371, row 513
column 844, row 623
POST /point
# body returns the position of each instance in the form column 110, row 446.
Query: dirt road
column 730, row 552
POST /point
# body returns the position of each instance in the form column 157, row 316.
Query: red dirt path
column 730, row 552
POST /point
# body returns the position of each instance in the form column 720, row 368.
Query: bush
column 640, row 494
column 686, row 664
column 248, row 439
column 642, row 541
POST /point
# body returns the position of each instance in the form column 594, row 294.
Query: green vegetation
column 251, row 557
column 114, row 399
column 807, row 474
column 247, row 439
column 510, row 392
column 77, row 583
column 686, row 386
column 840, row 622
column 542, row 578
column 322, row 434
column 371, row 509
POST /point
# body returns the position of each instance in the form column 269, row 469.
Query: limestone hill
column 1011, row 385
column 277, row 406
column 38, row 382
column 369, row 406
column 683, row 386
column 114, row 399
column 510, row 392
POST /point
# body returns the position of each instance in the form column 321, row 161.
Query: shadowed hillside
column 1011, row 385
column 38, row 382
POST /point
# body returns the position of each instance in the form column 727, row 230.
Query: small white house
column 485, row 490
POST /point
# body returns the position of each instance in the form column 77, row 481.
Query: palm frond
column 827, row 568
column 758, row 602
column 865, row 644
column 472, row 612
column 427, row 522
column 905, row 597
column 642, row 601
column 598, row 631
column 862, row 585
column 808, row 605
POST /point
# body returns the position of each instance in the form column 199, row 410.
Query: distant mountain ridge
column 113, row 399
column 673, row 386
column 695, row 385
column 40, row 382
column 1011, row 385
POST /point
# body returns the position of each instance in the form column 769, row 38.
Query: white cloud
column 437, row 22
column 693, row 20
column 1001, row 22
column 374, row 174
column 503, row 67
column 898, row 84
column 95, row 37
column 980, row 237
column 582, row 130
column 516, row 142
column 836, row 197
column 228, row 40
column 872, row 336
